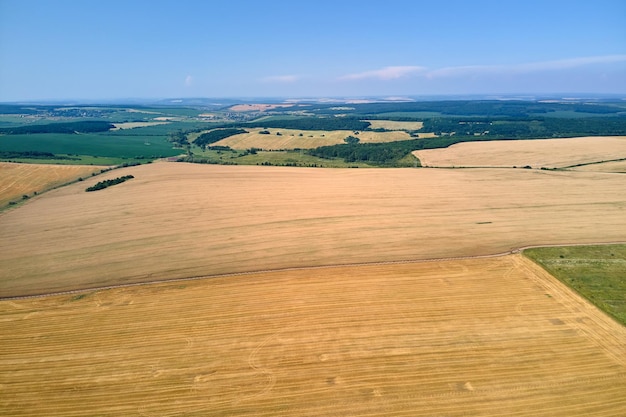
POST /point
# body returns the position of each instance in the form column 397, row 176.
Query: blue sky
column 62, row 49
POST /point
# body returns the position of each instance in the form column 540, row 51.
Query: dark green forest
column 88, row 126
column 313, row 123
column 216, row 135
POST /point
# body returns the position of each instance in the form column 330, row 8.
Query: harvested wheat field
column 548, row 153
column 489, row 337
column 176, row 220
column 394, row 125
column 304, row 139
column 17, row 180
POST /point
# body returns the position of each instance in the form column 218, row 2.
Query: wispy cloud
column 524, row 68
column 386, row 73
column 188, row 81
column 281, row 79
column 391, row 73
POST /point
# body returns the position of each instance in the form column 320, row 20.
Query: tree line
column 108, row 183
column 87, row 126
column 482, row 108
column 527, row 128
column 216, row 135
column 313, row 123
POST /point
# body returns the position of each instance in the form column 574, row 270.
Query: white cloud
column 386, row 73
column 281, row 79
column 530, row 67
column 188, row 81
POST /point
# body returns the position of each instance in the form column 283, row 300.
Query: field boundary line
column 304, row 268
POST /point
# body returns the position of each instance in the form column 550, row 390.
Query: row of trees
column 107, row 183
column 87, row 126
column 528, row 128
column 481, row 108
column 216, row 135
column 31, row 155
column 313, row 123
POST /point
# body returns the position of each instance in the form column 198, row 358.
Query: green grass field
column 94, row 144
column 597, row 272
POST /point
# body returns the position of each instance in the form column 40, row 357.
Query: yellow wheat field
column 175, row 220
column 394, row 125
column 304, row 139
column 548, row 153
column 480, row 337
column 17, row 180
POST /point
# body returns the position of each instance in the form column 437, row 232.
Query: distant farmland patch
column 393, row 125
column 549, row 153
column 133, row 125
column 258, row 107
column 275, row 138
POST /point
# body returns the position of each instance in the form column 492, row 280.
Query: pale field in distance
column 133, row 125
column 548, row 153
column 176, row 220
column 17, row 180
column 393, row 125
column 291, row 139
column 257, row 107
column 481, row 337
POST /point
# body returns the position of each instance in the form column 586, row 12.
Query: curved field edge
column 491, row 337
column 539, row 153
column 598, row 273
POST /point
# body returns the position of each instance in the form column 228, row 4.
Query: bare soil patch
column 488, row 337
column 178, row 220
column 549, row 153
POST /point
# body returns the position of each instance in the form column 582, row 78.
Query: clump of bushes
column 107, row 183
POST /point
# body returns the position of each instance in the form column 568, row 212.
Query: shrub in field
column 107, row 183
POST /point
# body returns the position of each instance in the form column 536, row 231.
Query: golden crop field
column 17, row 180
column 481, row 337
column 176, row 220
column 394, row 125
column 484, row 336
column 548, row 153
column 304, row 139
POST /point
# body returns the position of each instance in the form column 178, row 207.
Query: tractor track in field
column 301, row 268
